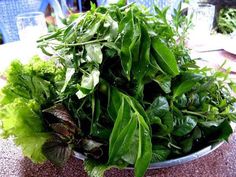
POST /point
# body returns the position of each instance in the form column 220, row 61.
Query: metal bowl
column 173, row 162
column 187, row 158
column 177, row 161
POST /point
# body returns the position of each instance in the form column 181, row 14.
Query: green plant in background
column 227, row 20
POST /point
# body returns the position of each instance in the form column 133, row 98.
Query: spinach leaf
column 186, row 145
column 219, row 133
column 162, row 126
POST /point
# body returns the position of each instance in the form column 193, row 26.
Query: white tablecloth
column 16, row 50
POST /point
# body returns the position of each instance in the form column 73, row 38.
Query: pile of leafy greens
column 120, row 88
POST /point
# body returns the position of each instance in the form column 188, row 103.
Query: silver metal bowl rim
column 172, row 162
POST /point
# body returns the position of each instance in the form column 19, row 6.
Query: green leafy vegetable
column 28, row 88
column 183, row 88
column 21, row 120
column 164, row 57
column 225, row 21
column 184, row 125
column 129, row 121
column 120, row 88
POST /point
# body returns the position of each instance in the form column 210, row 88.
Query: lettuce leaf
column 22, row 83
column 29, row 88
column 22, row 120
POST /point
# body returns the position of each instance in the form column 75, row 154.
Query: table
column 220, row 163
column 212, row 52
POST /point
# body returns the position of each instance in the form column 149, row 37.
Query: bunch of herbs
column 120, row 88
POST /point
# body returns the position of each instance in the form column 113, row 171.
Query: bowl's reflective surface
column 173, row 162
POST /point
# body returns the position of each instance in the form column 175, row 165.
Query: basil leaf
column 141, row 64
column 69, row 73
column 114, row 103
column 126, row 124
column 96, row 169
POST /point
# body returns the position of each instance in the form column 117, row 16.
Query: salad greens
column 21, row 100
column 120, row 88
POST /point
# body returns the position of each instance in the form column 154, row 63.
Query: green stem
column 77, row 44
column 93, row 112
column 194, row 113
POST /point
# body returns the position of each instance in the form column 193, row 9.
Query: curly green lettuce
column 29, row 87
column 22, row 120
